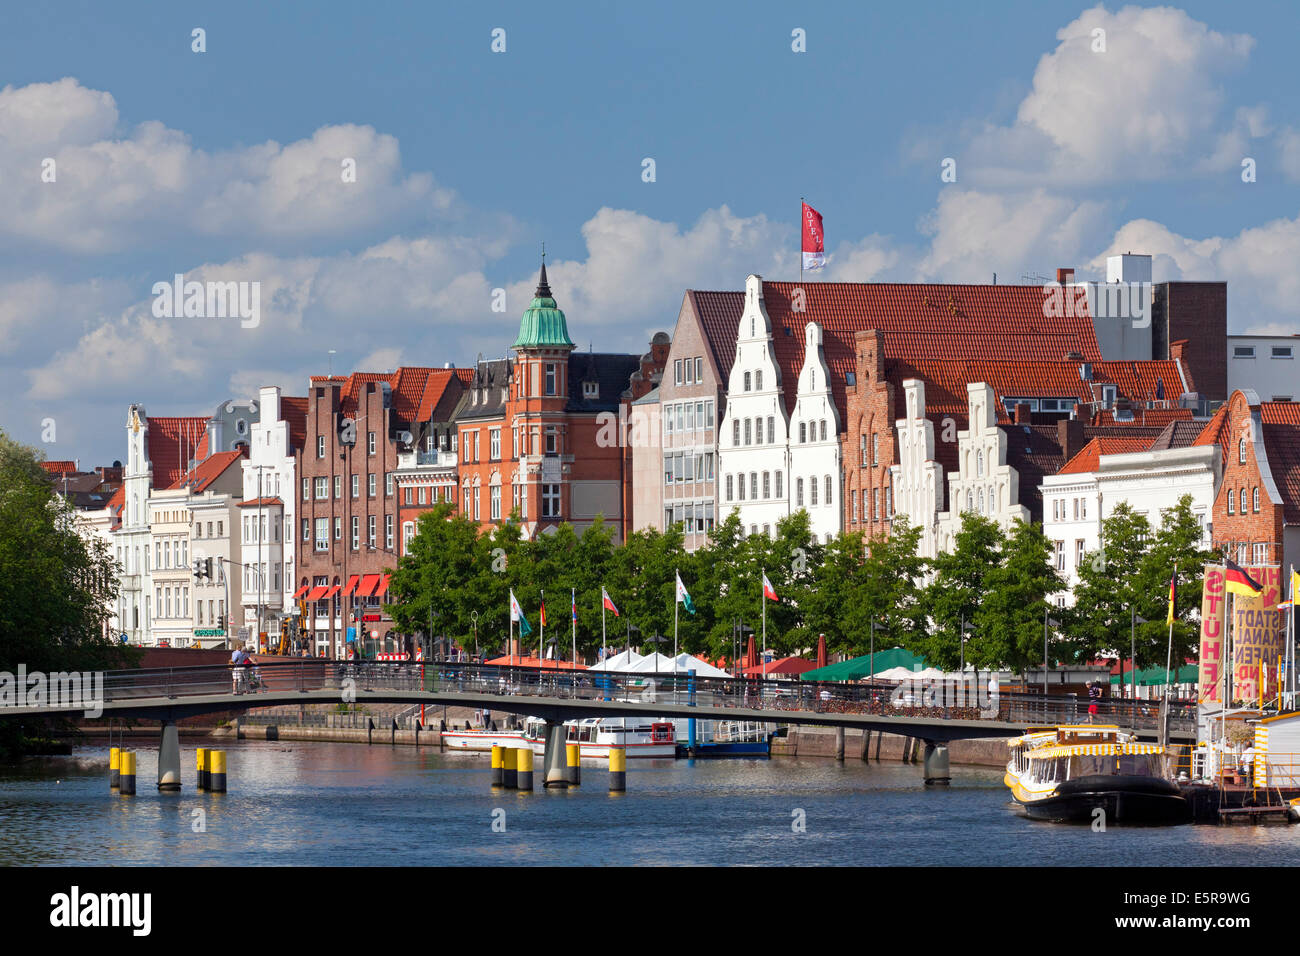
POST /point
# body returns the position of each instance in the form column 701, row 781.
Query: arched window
column 979, row 463
column 803, row 432
column 747, row 381
column 749, row 431
column 1243, row 500
column 980, row 501
column 1232, row 500
column 771, row 430
column 735, row 432
column 823, row 429
column 812, row 492
column 1241, row 450
column 758, row 380
column 828, row 489
column 798, row 492
column 1255, row 502
column 970, row 500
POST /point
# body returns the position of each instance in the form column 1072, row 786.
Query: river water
column 337, row 804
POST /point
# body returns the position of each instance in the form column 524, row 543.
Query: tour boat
column 1067, row 773
column 483, row 740
column 642, row 737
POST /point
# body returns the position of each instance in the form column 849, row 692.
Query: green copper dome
column 543, row 324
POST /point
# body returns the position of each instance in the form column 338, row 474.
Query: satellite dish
column 404, row 437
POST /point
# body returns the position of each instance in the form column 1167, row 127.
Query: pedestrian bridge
column 933, row 713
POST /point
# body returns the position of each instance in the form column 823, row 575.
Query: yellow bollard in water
column 573, row 763
column 496, row 765
column 217, row 776
column 524, row 768
column 617, row 769
column 201, row 765
column 114, row 771
column 126, row 769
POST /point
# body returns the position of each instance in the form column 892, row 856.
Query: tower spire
column 543, row 289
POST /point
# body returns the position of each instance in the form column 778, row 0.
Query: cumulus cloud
column 1150, row 105
column 114, row 190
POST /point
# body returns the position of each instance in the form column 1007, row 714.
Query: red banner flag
column 814, row 248
column 609, row 604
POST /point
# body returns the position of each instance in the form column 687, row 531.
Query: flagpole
column 541, row 631
column 676, row 577
column 604, row 651
column 573, row 607
column 763, row 600
column 801, row 205
column 1169, row 652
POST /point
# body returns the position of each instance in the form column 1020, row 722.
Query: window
column 758, row 380
column 803, row 432
column 753, row 485
column 699, row 369
column 495, row 503
column 388, row 525
column 322, row 488
column 1282, row 351
column 1076, row 509
column 494, row 444
column 823, row 429
column 1243, row 500
column 767, row 484
column 338, row 486
column 320, row 446
column 875, row 504
column 748, row 431
column 1243, row 351
column 690, row 416
column 677, row 371
column 552, row 441
column 812, row 492
column 875, row 449
column 889, row 501
column 370, row 530
column 740, row 486
column 406, row 497
column 1261, row 553
column 423, row 493
column 771, row 430
column 478, row 494
column 829, row 499
column 370, row 484
column 747, row 381
column 306, row 494
column 306, row 530
column 668, row 469
column 388, row 484
column 1255, row 501
column 730, row 495
column 1078, row 553
column 798, row 492
column 1083, row 508
column 356, row 532
column 464, row 446
column 356, row 486
column 1060, row 555
column 370, row 443
column 550, row 501
column 735, row 432
column 322, row 534
column 338, row 529
column 550, row 378
column 1232, row 501
column 476, row 458
column 708, row 411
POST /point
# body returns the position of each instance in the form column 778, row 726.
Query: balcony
column 427, row 459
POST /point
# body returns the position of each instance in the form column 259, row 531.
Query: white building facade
column 267, row 516
column 1267, row 364
column 1075, row 505
column 918, row 479
column 814, row 451
column 132, row 543
column 754, row 445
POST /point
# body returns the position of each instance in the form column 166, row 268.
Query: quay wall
column 820, row 742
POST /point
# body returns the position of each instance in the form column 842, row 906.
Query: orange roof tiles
column 293, row 409
column 1088, row 458
column 173, row 442
column 60, row 467
column 207, row 471
column 1281, row 421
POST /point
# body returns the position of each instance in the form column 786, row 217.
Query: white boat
column 641, row 737
column 483, row 740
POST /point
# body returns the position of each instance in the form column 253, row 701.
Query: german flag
column 1173, row 596
column 1238, row 581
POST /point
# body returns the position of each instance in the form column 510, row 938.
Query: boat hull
column 1148, row 801
column 473, row 741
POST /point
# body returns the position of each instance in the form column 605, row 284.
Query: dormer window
column 590, row 390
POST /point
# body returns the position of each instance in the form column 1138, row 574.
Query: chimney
column 1023, row 413
column 1064, row 275
column 1178, row 351
column 1069, row 435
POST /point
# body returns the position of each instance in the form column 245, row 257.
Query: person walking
column 1094, row 699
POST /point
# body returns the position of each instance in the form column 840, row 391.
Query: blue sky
column 221, row 165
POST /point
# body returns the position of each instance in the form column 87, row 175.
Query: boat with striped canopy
column 1082, row 773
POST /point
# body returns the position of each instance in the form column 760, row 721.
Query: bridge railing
column 952, row 700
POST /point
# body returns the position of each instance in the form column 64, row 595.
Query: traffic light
column 198, row 569
column 207, row 568
column 221, row 622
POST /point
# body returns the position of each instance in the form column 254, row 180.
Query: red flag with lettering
column 814, row 247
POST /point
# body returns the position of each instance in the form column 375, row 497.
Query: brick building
column 544, row 434
column 1257, row 510
column 347, row 497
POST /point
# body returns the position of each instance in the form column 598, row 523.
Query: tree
column 1010, row 619
column 959, row 586
column 1109, row 588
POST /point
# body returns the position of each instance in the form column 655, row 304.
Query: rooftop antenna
column 332, row 351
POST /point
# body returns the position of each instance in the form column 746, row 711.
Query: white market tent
column 655, row 663
column 621, row 662
column 689, row 662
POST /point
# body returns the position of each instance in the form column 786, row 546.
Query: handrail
column 932, row 699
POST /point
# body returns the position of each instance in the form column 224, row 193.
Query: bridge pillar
column 555, row 763
column 839, row 744
column 866, row 743
column 169, row 757
column 936, row 764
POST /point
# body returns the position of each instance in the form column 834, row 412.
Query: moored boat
column 1069, row 773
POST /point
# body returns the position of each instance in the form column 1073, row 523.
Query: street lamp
column 473, row 618
column 1054, row 623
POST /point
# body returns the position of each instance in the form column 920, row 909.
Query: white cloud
column 115, row 192
column 1150, row 105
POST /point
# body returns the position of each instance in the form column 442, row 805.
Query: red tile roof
column 415, row 390
column 920, row 322
column 293, row 410
column 1088, row 459
column 208, row 470
column 1216, row 432
column 60, row 467
column 173, row 443
column 115, row 506
column 1281, row 421
column 257, row 502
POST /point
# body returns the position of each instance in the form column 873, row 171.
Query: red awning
column 351, row 586
column 368, row 585
column 332, row 592
column 317, row 593
column 301, row 591
column 383, row 586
